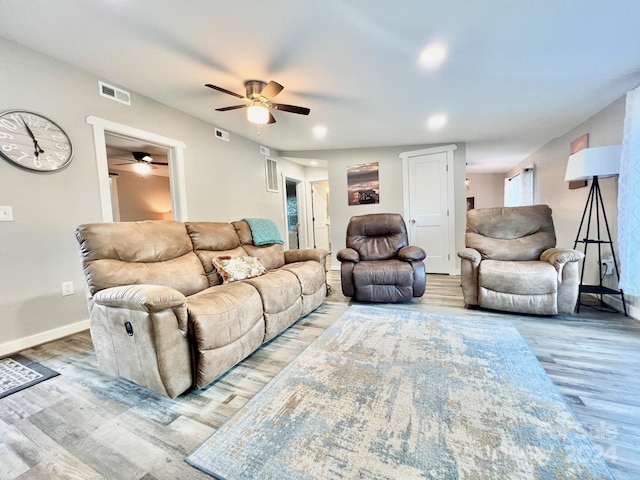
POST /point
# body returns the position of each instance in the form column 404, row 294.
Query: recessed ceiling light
column 436, row 122
column 432, row 56
column 320, row 131
column 313, row 163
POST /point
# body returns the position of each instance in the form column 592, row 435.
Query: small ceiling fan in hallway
column 258, row 101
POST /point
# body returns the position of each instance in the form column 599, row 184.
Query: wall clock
column 33, row 141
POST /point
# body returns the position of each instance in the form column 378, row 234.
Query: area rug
column 18, row 373
column 397, row 394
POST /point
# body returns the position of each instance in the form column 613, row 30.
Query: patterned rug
column 396, row 394
column 18, row 373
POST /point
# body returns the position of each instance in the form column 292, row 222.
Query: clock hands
column 38, row 150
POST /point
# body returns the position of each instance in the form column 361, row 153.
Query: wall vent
column 222, row 135
column 114, row 93
column 264, row 151
column 271, row 170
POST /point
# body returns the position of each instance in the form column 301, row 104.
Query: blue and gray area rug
column 18, row 373
column 396, row 394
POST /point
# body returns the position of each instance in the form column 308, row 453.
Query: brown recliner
column 510, row 262
column 378, row 264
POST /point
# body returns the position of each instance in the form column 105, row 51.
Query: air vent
column 271, row 169
column 222, row 135
column 264, row 151
column 114, row 93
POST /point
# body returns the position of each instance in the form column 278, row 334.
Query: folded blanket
column 263, row 231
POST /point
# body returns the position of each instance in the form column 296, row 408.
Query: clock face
column 34, row 142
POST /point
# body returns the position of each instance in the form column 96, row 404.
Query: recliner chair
column 511, row 262
column 378, row 264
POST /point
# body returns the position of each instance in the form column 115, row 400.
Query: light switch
column 6, row 214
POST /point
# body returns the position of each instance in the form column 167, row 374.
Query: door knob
column 413, row 222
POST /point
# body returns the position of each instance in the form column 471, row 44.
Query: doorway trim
column 175, row 156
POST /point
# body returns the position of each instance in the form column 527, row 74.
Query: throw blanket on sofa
column 263, row 231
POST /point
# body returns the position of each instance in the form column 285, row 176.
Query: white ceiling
column 517, row 73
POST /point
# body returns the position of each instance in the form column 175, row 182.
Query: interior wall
column 145, row 197
column 225, row 181
column 604, row 128
column 487, row 189
column 390, row 177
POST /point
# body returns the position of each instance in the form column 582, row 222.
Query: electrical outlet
column 67, row 288
column 608, row 266
column 6, row 214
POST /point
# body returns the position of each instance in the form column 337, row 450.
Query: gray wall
column 225, row 181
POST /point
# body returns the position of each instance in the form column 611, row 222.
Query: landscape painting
column 363, row 185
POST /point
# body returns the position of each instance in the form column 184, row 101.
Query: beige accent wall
column 604, row 128
column 487, row 189
column 143, row 197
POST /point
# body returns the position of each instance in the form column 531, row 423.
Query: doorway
column 139, row 176
column 293, row 209
column 175, row 164
column 320, row 215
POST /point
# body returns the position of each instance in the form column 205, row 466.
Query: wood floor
column 83, row 424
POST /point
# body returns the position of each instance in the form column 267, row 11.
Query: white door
column 429, row 207
column 320, row 212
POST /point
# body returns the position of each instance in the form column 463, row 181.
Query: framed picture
column 471, row 203
column 363, row 186
column 578, row 144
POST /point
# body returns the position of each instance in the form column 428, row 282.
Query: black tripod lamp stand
column 596, row 163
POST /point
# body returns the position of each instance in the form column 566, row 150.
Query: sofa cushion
column 279, row 289
column 232, row 269
column 510, row 233
column 222, row 314
column 520, row 278
column 133, row 253
column 271, row 256
column 310, row 274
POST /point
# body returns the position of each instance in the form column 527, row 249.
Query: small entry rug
column 399, row 394
column 18, row 373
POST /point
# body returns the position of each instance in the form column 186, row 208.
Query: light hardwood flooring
column 83, row 424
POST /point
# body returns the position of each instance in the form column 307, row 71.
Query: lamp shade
column 591, row 162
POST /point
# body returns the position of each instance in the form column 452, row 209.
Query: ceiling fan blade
column 160, row 163
column 224, row 90
column 271, row 119
column 271, row 90
column 291, row 108
column 234, row 107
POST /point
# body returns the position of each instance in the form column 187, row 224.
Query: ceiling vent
column 114, row 93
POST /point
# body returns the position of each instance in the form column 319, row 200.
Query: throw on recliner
column 378, row 264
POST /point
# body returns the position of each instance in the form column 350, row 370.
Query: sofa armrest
column 302, row 255
column 146, row 298
column 348, row 255
column 470, row 254
column 411, row 253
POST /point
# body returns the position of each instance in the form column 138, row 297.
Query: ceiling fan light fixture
column 258, row 114
column 142, row 168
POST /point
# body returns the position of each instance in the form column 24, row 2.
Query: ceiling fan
column 258, row 101
column 143, row 162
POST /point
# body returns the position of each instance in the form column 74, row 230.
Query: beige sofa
column 160, row 313
column 510, row 262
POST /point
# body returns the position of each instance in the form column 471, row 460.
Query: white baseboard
column 40, row 338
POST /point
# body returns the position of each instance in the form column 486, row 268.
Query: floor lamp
column 595, row 163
